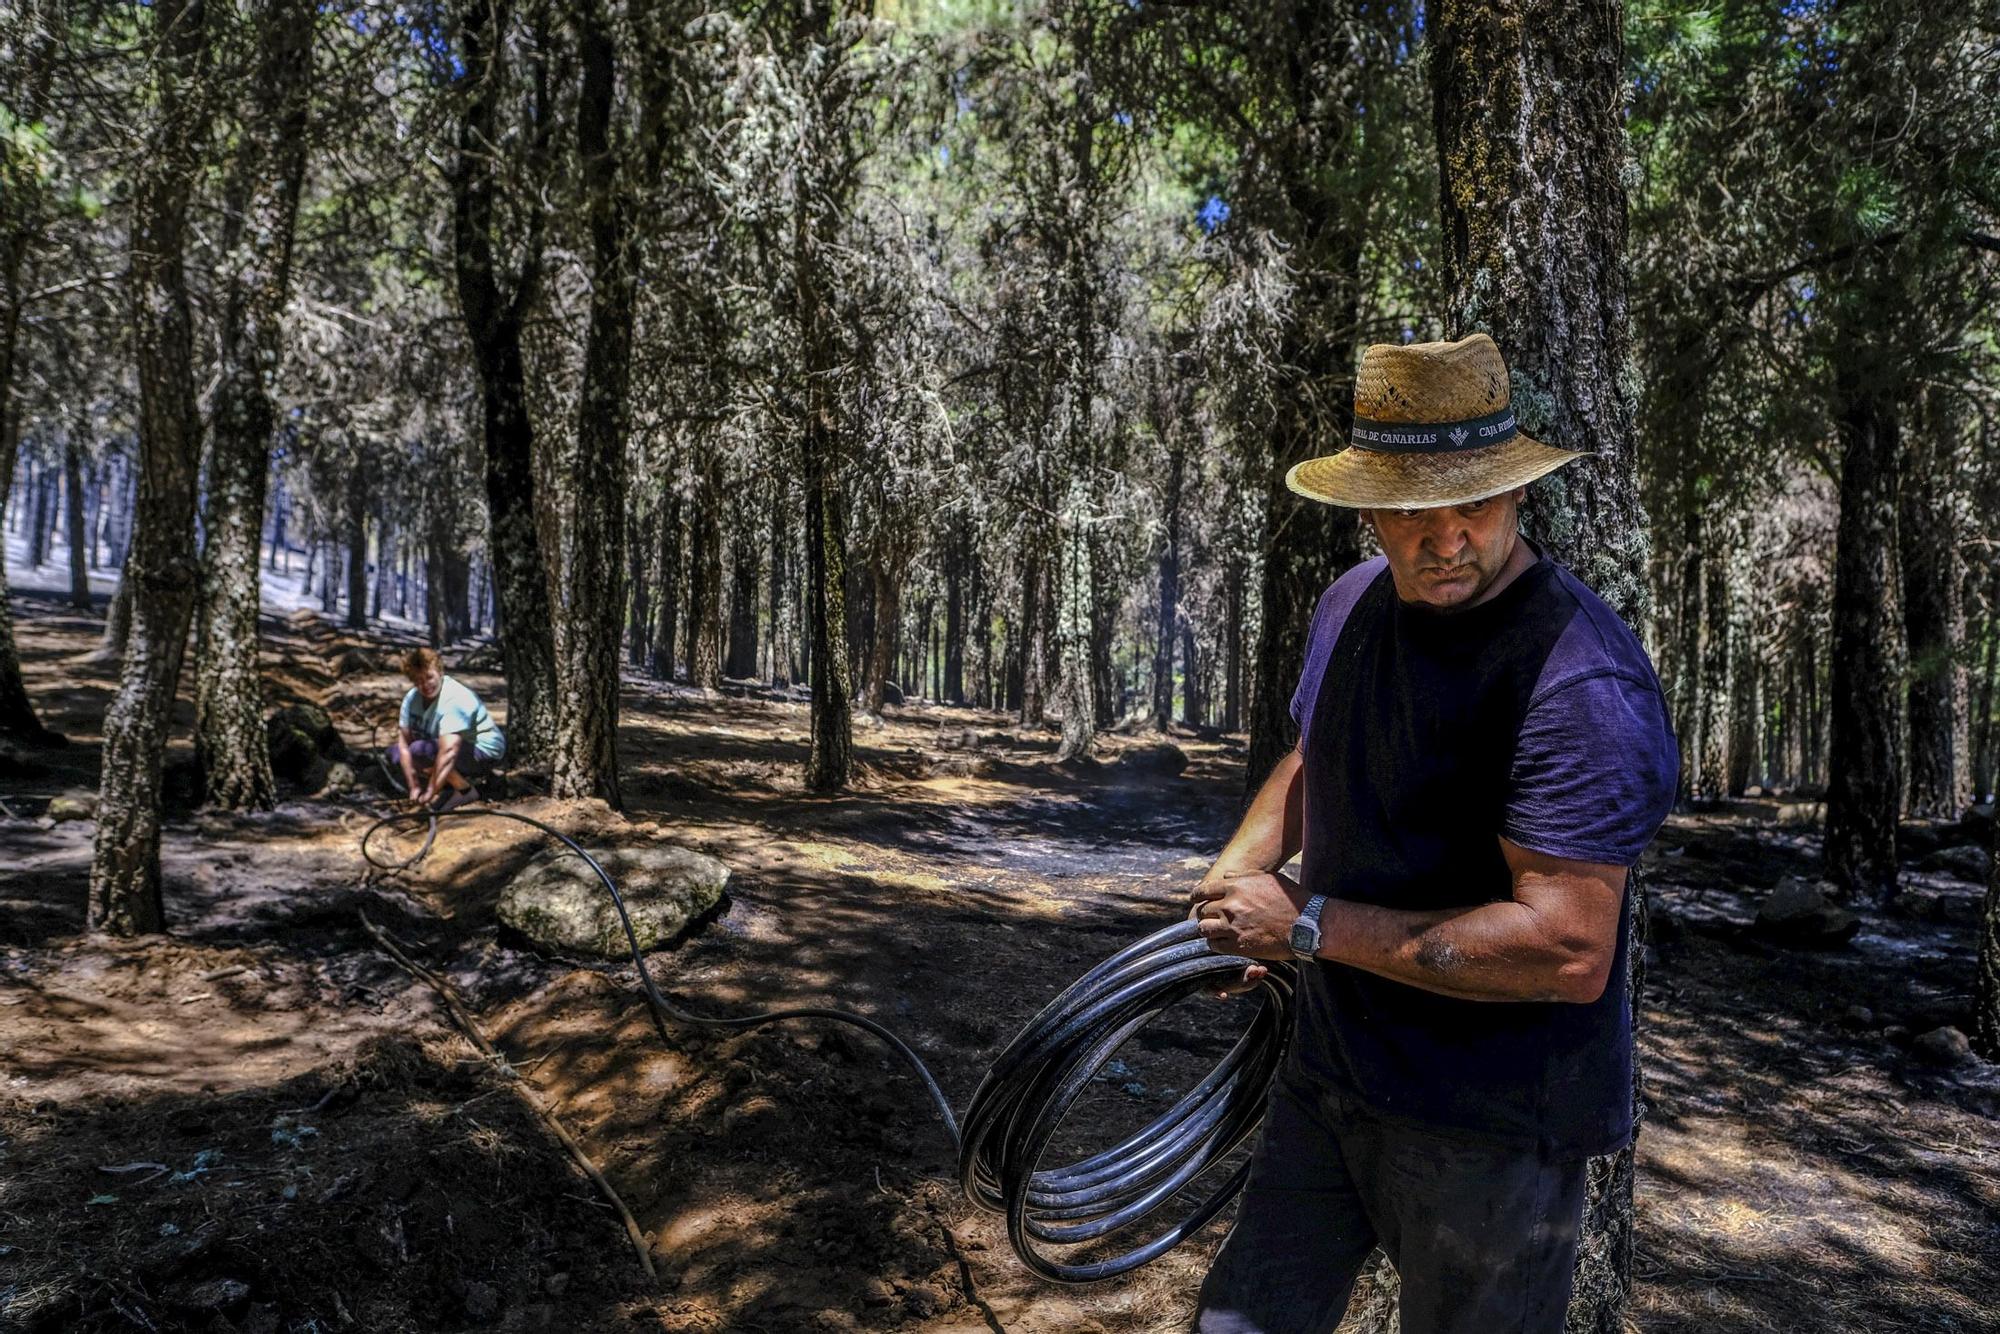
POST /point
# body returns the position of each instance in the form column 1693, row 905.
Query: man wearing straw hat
column 1484, row 750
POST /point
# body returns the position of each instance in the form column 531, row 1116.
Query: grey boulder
column 559, row 904
column 1800, row 913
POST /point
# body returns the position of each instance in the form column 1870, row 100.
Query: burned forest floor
column 261, row 1122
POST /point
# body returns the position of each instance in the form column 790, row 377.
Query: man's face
column 1447, row 558
column 431, row 682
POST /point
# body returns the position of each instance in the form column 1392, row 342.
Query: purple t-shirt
column 1426, row 737
column 1596, row 765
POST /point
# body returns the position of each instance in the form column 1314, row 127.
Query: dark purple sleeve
column 1596, row 770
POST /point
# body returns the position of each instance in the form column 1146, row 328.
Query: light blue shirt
column 456, row 709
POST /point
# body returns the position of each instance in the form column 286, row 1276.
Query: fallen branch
column 529, row 1093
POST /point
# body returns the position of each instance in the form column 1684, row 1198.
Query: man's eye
column 1473, row 508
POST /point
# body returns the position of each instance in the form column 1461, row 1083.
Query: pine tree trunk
column 743, row 611
column 1934, row 621
column 705, row 588
column 265, row 182
column 1075, row 586
column 37, row 58
column 1030, row 640
column 1718, row 661
column 886, row 593
column 666, row 618
column 1232, row 637
column 125, row 861
column 639, row 628
column 590, row 569
column 73, row 527
column 957, row 557
column 1170, row 587
column 1528, row 97
column 1986, row 986
column 494, row 325
column 1864, row 787
column 1982, row 710
column 357, row 552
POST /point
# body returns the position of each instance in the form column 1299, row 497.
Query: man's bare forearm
column 1272, row 830
column 1553, row 941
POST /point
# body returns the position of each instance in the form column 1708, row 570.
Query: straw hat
column 1432, row 427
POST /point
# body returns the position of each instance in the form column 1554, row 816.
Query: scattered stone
column 1965, row 862
column 1155, row 757
column 963, row 766
column 1753, row 791
column 1931, row 905
column 1974, row 827
column 1858, row 1016
column 482, row 1301
column 892, row 693
column 863, row 718
column 1895, row 1034
column 353, row 662
column 213, row 1294
column 1945, row 1046
column 877, row 1292
column 963, row 739
column 559, row 904
column 298, row 734
column 747, row 1112
column 340, row 778
column 75, row 804
column 1802, row 914
column 556, row 1284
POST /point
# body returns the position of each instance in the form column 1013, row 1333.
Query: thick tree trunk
column 784, row 631
column 125, row 862
column 1232, row 635
column 666, row 618
column 1531, row 143
column 494, row 324
column 1076, row 695
column 1170, row 587
column 1717, row 667
column 1934, row 622
column 1030, row 642
column 590, row 571
column 639, row 626
column 1864, row 787
column 1982, row 710
column 742, row 663
column 886, row 593
column 1986, row 986
column 265, row 181
column 1194, row 694
column 357, row 553
column 958, row 553
column 705, row 585
column 73, row 526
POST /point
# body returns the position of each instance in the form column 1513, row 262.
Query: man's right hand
column 416, row 791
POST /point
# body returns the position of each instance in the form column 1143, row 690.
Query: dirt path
column 328, row 1150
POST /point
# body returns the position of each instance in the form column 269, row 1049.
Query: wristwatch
column 1305, row 929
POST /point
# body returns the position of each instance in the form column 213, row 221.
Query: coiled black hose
column 1035, row 1081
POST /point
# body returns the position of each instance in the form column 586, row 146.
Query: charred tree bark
column 705, row 585
column 660, row 662
column 125, row 861
column 1030, row 638
column 265, row 182
column 590, row 573
column 742, row 662
column 958, row 548
column 1528, row 97
column 1170, row 579
column 639, row 626
column 1232, row 635
column 1986, row 986
column 357, row 553
column 494, row 323
column 1864, row 772
column 1934, row 623
column 886, row 593
column 1307, row 544
column 19, row 225
column 1076, row 695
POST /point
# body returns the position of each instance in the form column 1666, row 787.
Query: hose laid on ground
column 1036, row 1080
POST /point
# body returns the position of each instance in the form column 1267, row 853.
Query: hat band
column 1434, row 437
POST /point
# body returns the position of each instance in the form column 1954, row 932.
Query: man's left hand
column 1250, row 914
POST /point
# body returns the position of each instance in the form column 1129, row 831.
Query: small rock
column 963, row 739
column 482, row 1301
column 262, row 1318
column 1970, row 864
column 877, row 1292
column 75, row 804
column 1753, row 791
column 298, row 735
column 354, row 662
column 213, row 1294
column 1798, row 913
column 1895, row 1034
column 340, row 778
column 556, row 1284
column 1944, row 1046
column 963, row 766
column 1156, row 757
column 1858, row 1016
column 892, row 693
column 750, row 1110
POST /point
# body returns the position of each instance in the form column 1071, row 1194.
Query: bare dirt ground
column 260, row 1123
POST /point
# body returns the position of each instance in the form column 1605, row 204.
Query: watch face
column 1304, row 939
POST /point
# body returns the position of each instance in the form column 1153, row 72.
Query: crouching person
column 447, row 738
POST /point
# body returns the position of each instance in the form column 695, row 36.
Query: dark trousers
column 470, row 763
column 1483, row 1236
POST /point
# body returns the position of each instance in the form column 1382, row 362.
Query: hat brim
column 1374, row 479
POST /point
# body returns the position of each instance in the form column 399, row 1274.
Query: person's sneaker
column 452, row 800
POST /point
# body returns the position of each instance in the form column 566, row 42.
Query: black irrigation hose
column 1033, row 1084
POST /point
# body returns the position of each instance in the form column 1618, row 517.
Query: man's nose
column 1446, row 539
